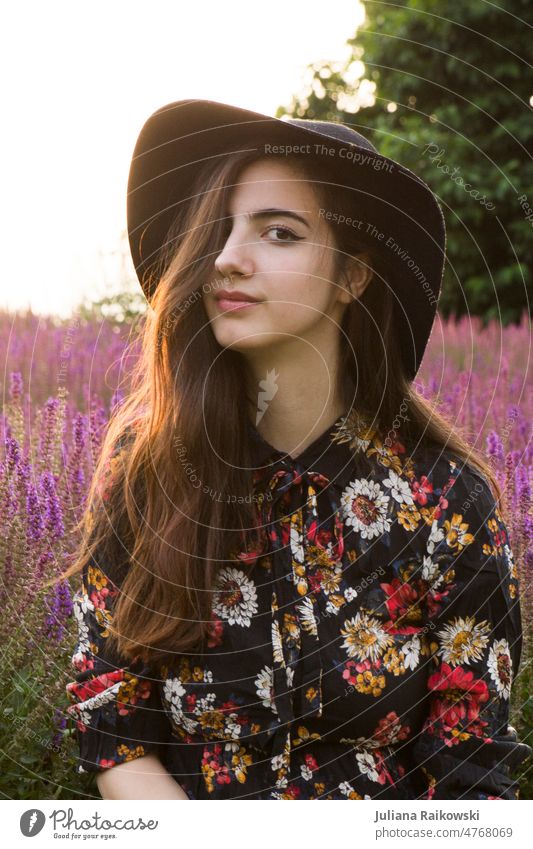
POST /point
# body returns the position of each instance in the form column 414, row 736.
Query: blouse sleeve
column 466, row 749
column 115, row 703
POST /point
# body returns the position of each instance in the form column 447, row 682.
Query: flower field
column 60, row 382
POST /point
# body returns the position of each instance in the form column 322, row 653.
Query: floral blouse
column 366, row 651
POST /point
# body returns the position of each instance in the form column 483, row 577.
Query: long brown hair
column 177, row 506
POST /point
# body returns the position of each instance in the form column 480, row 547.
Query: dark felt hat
column 399, row 211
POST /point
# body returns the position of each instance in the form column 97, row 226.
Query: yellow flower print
column 304, row 736
column 240, row 761
column 212, row 719
column 456, row 532
column 369, row 684
column 409, row 517
column 104, row 618
column 393, row 662
column 310, row 694
column 512, row 590
column 427, row 514
column 492, row 525
column 130, row 754
column 385, row 456
column 96, row 578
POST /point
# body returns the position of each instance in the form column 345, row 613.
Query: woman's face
column 285, row 259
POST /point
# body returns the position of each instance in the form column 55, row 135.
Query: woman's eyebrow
column 272, row 212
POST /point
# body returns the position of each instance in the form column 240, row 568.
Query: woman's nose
column 235, row 258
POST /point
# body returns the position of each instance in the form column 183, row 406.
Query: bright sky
column 83, row 78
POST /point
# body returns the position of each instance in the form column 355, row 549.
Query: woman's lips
column 227, row 305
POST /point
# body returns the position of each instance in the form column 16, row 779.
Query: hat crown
column 332, row 129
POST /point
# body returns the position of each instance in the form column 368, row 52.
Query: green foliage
column 125, row 307
column 455, row 78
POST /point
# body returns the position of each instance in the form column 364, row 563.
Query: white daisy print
column 400, row 489
column 462, row 640
column 307, row 616
column 235, row 597
column 365, row 638
column 500, row 668
column 364, row 507
column 264, row 686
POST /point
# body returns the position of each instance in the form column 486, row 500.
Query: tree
column 451, row 100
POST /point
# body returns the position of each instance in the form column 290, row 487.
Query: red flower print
column 421, row 489
column 311, row 762
column 401, row 597
column 461, row 697
column 216, row 629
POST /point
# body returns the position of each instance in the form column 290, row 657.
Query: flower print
column 365, row 638
column 235, row 597
column 240, row 761
column 456, row 531
column 373, row 767
column 304, row 735
column 81, row 605
column 307, row 616
column 393, row 662
column 421, row 490
column 308, row 768
column 347, row 790
column 431, row 573
column 350, row 593
column 411, row 653
column 436, row 535
column 400, row 489
column 462, row 640
column 334, row 604
column 409, row 517
column 277, row 648
column 297, row 540
column 264, row 686
column 216, row 630
column 402, row 601
column 500, row 669
column 390, row 730
column 213, row 767
column 173, row 692
column 459, row 697
column 364, row 506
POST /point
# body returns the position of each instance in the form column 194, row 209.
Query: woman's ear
column 356, row 276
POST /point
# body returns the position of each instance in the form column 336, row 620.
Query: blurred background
column 446, row 89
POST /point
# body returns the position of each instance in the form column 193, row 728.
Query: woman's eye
column 288, row 235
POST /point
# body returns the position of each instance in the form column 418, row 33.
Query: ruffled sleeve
column 116, row 704
column 466, row 749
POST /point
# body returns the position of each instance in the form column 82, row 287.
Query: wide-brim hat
column 400, row 212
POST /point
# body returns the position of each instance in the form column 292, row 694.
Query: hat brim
column 401, row 211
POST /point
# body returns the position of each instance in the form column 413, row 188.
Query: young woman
column 297, row 581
